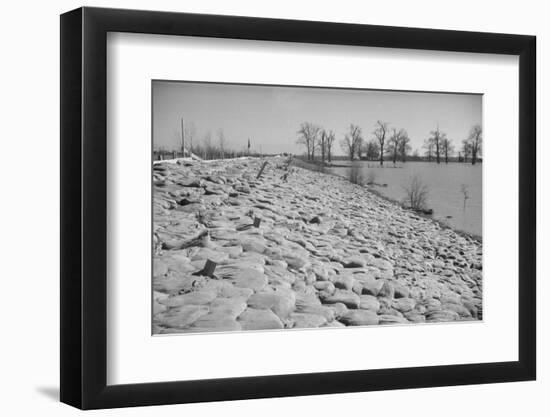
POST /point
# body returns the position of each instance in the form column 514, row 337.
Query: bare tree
column 308, row 136
column 448, row 148
column 347, row 146
column 437, row 137
column 356, row 138
column 207, row 145
column 475, row 139
column 380, row 133
column 404, row 147
column 429, row 147
column 393, row 145
column 329, row 141
column 190, row 134
column 326, row 139
column 221, row 142
column 359, row 149
column 322, row 144
column 352, row 141
column 314, row 144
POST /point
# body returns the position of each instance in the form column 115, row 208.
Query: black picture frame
column 84, row 207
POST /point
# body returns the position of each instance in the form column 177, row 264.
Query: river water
column 445, row 188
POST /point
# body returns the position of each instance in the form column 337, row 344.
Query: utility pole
column 182, row 139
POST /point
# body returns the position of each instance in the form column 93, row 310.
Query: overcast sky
column 270, row 116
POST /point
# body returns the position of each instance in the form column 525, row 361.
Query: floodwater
column 447, row 185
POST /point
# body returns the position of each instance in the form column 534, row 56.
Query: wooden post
column 208, row 270
column 261, row 170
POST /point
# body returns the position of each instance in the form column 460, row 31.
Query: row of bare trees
column 386, row 140
column 439, row 147
column 313, row 137
column 392, row 141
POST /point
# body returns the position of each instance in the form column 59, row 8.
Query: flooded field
column 446, row 184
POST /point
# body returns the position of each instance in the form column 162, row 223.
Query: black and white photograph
column 290, row 207
column 243, row 208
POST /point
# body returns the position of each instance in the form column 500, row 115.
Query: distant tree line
column 438, row 147
column 387, row 142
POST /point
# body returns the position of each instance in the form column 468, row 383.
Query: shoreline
column 295, row 249
column 315, row 167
